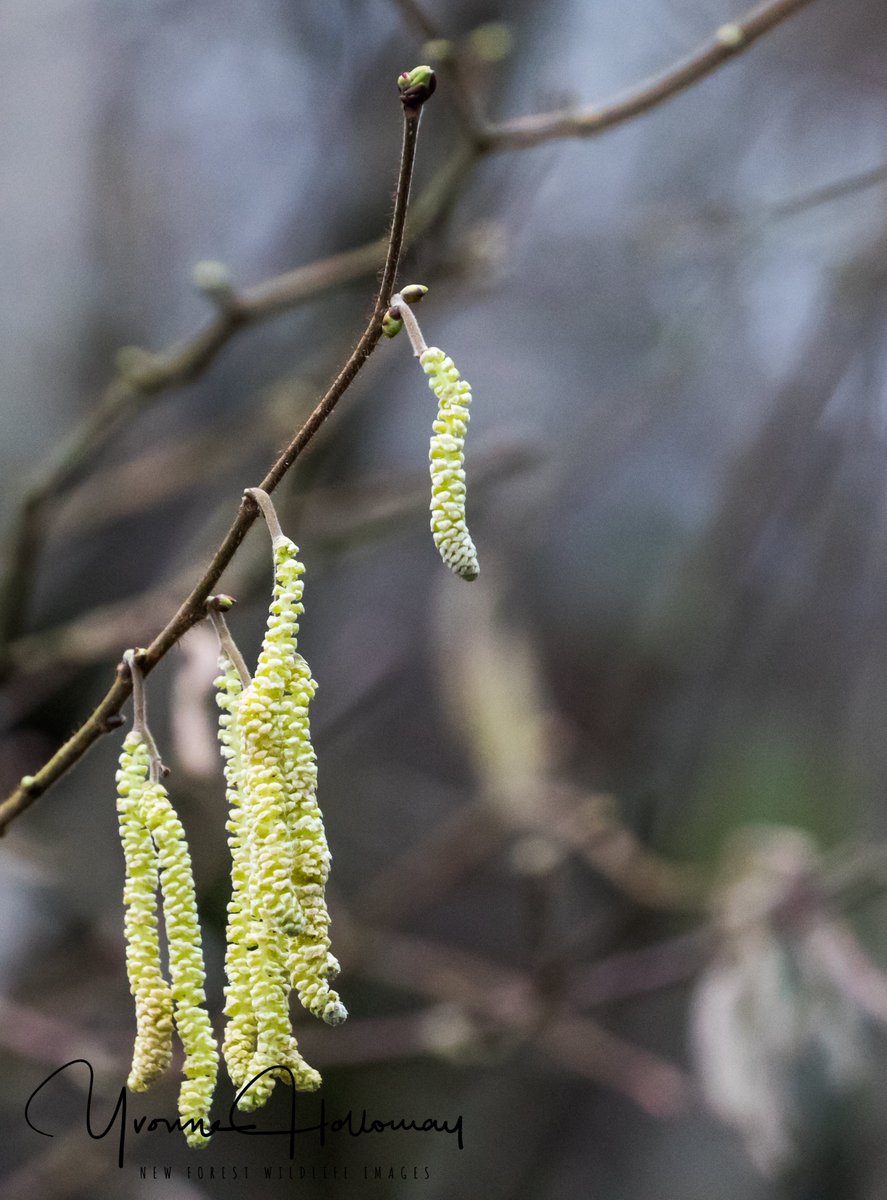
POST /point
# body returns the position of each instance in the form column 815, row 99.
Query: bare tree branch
column 731, row 39
column 106, row 716
column 148, row 375
column 152, row 374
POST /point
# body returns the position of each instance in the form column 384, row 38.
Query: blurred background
column 606, row 824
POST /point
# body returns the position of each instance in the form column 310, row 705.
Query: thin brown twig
column 730, row 40
column 149, row 375
column 124, row 394
column 106, row 715
column 216, row 607
column 186, row 361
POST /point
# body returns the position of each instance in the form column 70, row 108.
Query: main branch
column 148, row 375
column 106, row 715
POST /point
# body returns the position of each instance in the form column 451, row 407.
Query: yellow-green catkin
column 153, row 997
column 273, row 908
column 447, row 458
column 311, row 965
column 289, row 859
column 186, row 969
column 239, row 1044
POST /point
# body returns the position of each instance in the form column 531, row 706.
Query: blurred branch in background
column 145, row 374
column 521, row 911
column 828, row 193
column 729, row 40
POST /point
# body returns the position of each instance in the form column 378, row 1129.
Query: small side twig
column 216, row 607
column 140, row 714
column 269, row 512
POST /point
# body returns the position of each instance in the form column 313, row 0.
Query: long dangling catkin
column 153, row 997
column 278, row 923
column 288, row 857
column 310, row 963
column 258, row 1034
column 239, row 1044
column 271, row 893
column 446, row 454
column 186, row 967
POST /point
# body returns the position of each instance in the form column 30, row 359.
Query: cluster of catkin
column 156, row 856
column 278, row 924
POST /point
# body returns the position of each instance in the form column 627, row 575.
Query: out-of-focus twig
column 635, row 972
column 35, row 1036
column 827, row 193
column 590, row 824
column 428, row 871
column 507, row 998
column 730, row 40
column 586, row 1048
column 356, row 513
column 366, row 1040
column 334, row 517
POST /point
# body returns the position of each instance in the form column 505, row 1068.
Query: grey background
column 676, row 345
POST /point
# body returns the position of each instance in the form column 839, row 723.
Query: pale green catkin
column 274, row 914
column 153, row 997
column 447, row 458
column 310, row 963
column 239, row 1044
column 186, row 967
column 287, row 852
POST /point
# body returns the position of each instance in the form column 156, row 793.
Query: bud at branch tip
column 415, row 87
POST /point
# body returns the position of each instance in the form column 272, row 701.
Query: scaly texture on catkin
column 278, row 838
column 239, row 1044
column 156, row 857
column 153, row 997
column 447, row 458
column 186, row 969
